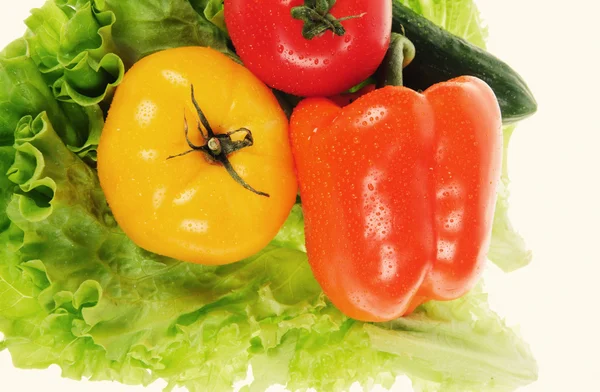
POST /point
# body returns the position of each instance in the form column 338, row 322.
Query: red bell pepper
column 398, row 191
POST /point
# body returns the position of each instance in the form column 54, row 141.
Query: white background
column 555, row 169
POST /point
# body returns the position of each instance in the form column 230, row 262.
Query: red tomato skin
column 270, row 43
column 398, row 192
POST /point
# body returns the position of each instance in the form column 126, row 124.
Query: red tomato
column 274, row 45
column 398, row 191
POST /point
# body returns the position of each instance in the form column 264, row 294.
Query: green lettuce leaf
column 82, row 47
column 25, row 92
column 79, row 63
column 460, row 17
column 213, row 11
column 508, row 249
column 148, row 26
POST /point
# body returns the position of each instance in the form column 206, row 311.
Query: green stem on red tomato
column 317, row 18
column 399, row 55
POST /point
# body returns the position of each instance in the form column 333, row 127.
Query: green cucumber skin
column 442, row 56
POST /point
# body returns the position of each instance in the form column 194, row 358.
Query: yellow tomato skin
column 190, row 208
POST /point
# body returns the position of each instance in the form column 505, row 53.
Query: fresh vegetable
column 399, row 54
column 442, row 56
column 149, row 26
column 75, row 291
column 207, row 178
column 398, row 191
column 461, row 18
column 309, row 47
column 347, row 98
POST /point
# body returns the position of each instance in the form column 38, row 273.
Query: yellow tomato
column 190, row 207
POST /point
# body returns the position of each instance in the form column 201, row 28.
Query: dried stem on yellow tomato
column 218, row 147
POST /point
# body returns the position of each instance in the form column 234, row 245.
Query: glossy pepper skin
column 398, row 191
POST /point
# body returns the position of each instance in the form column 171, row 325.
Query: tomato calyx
column 317, row 18
column 218, row 147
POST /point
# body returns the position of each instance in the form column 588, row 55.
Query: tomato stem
column 214, row 145
column 218, row 147
column 317, row 18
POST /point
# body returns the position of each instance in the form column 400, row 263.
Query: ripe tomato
column 342, row 53
column 190, row 207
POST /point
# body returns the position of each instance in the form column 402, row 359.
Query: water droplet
column 175, row 77
column 185, row 196
column 194, row 226
column 158, row 197
column 148, row 155
column 146, row 111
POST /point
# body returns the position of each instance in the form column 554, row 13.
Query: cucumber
column 441, row 56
